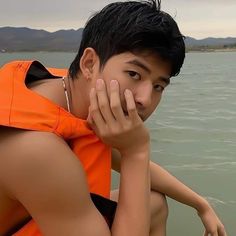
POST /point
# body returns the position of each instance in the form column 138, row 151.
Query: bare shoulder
column 39, row 170
column 23, row 149
column 34, row 155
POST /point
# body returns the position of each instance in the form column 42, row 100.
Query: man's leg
column 159, row 212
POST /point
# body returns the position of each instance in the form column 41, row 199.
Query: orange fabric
column 30, row 229
column 23, row 108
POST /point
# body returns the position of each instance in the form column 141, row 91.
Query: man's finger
column 131, row 106
column 115, row 101
column 221, row 231
column 94, row 109
column 103, row 102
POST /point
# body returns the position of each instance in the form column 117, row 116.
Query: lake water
column 193, row 133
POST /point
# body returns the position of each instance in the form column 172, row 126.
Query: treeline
column 212, row 48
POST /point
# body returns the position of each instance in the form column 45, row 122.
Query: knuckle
column 222, row 229
column 93, row 110
column 104, row 134
column 103, row 106
column 115, row 130
column 127, row 127
column 132, row 109
column 115, row 106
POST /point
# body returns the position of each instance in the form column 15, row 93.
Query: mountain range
column 15, row 39
column 24, row 39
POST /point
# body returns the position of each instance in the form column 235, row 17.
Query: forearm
column 164, row 182
column 132, row 215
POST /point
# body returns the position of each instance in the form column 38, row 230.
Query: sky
column 196, row 18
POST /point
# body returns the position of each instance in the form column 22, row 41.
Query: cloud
column 196, row 18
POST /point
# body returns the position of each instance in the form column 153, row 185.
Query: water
column 193, row 133
column 56, row 59
column 194, row 137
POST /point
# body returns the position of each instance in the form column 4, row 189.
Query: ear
column 89, row 63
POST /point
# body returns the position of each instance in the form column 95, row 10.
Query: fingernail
column 99, row 84
column 127, row 92
column 114, row 84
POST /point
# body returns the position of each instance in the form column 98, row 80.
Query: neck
column 66, row 94
column 79, row 95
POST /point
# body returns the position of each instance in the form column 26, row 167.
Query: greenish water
column 193, row 133
column 194, row 137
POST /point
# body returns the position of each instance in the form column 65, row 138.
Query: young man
column 54, row 169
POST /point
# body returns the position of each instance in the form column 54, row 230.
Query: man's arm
column 163, row 182
column 39, row 170
column 128, row 134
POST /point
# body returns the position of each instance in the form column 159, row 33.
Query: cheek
column 124, row 82
column 122, row 88
column 156, row 102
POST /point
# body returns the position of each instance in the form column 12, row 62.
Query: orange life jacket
column 22, row 108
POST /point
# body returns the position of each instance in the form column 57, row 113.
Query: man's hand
column 120, row 126
column 122, row 130
column 213, row 225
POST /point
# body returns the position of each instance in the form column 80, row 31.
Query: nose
column 143, row 95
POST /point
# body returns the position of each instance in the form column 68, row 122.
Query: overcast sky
column 196, row 18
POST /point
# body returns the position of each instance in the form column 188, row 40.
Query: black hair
column 132, row 26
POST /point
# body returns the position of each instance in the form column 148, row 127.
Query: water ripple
column 203, row 167
column 214, row 201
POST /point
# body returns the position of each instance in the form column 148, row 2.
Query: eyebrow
column 144, row 67
column 139, row 64
column 165, row 80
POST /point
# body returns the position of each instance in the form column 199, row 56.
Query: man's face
column 145, row 75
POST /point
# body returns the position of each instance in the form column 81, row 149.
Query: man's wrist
column 141, row 152
column 202, row 205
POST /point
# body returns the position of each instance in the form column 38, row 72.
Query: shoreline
column 212, row 50
column 187, row 51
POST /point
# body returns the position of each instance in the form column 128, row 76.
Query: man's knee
column 159, row 206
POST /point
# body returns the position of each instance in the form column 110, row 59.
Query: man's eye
column 134, row 75
column 159, row 88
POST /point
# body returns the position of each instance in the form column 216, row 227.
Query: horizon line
column 68, row 29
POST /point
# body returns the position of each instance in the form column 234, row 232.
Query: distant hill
column 25, row 39
column 210, row 44
column 190, row 42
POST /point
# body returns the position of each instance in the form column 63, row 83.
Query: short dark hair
column 132, row 26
